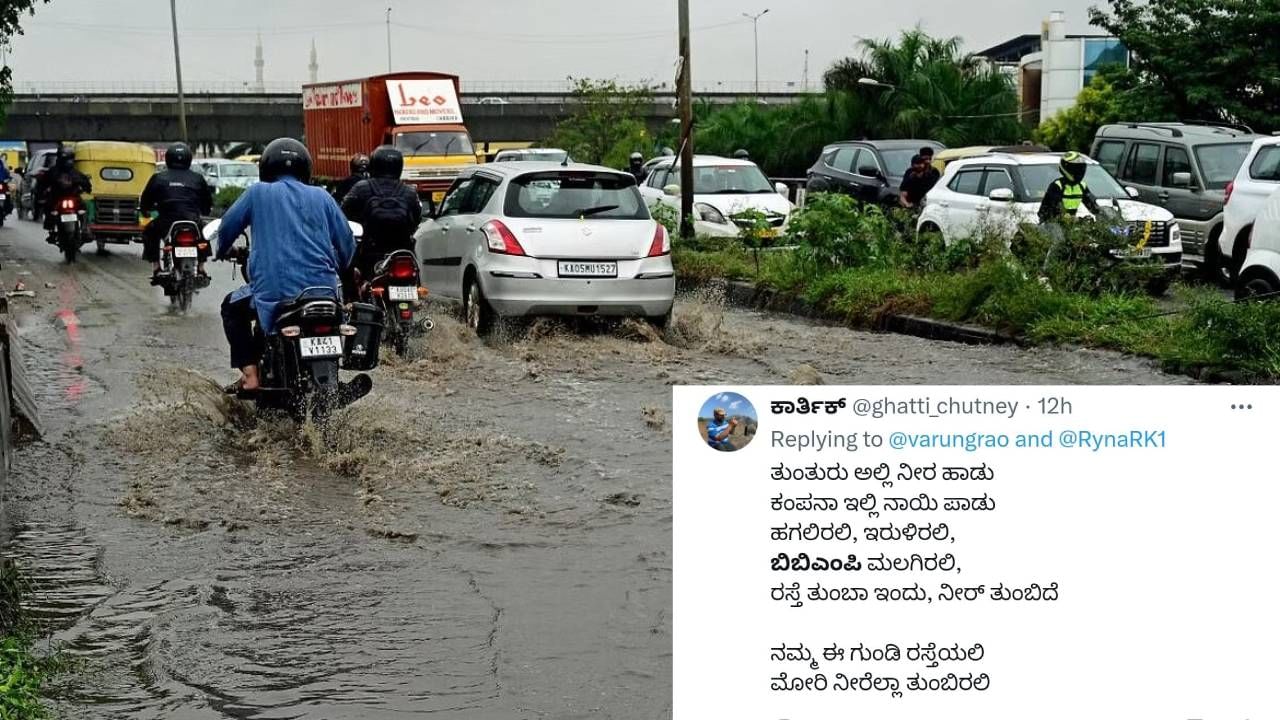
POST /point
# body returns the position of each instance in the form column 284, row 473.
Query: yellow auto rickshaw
column 119, row 172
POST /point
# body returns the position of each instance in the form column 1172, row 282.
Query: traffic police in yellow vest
column 1066, row 194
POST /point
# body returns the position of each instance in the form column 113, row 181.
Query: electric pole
column 685, row 82
column 806, row 71
column 177, row 66
column 388, row 39
column 755, row 23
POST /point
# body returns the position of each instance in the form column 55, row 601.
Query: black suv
column 869, row 170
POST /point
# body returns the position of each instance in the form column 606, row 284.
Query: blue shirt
column 714, row 430
column 300, row 240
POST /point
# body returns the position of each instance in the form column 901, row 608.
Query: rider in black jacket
column 60, row 181
column 389, row 210
column 178, row 193
column 359, row 171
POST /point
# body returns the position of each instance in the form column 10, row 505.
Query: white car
column 1001, row 193
column 220, row 173
column 722, row 189
column 528, row 239
column 1255, row 183
column 1260, row 267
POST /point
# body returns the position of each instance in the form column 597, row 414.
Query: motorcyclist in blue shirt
column 300, row 240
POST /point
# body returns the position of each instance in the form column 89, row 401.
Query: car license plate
column 69, row 217
column 1132, row 253
column 321, row 347
column 437, row 196
column 574, row 269
column 403, row 294
column 185, row 252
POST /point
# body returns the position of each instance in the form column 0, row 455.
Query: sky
column 488, row 41
column 733, row 404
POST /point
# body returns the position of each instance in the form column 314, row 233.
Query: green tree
column 11, row 14
column 1207, row 59
column 936, row 92
column 605, row 123
column 1114, row 95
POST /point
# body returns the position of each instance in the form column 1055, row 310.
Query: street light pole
column 177, row 65
column 755, row 23
column 388, row 39
column 685, row 82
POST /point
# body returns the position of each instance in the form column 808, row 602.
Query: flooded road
column 487, row 535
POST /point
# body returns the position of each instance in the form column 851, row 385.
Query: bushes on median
column 851, row 262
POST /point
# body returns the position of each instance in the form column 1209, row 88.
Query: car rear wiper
column 595, row 210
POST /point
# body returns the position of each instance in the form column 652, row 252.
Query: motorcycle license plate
column 185, row 252
column 3, row 197
column 321, row 347
column 403, row 294
column 69, row 217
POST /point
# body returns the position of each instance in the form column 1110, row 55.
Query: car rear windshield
column 569, row 194
column 239, row 170
column 1220, row 163
column 1036, row 179
column 434, row 143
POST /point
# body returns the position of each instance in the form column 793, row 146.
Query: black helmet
column 741, row 154
column 360, row 165
column 66, row 156
column 178, row 157
column 387, row 162
column 285, row 156
column 1073, row 166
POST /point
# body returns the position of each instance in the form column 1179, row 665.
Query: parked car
column 723, row 188
column 869, row 170
column 220, row 173
column 1259, row 272
column 945, row 157
column 1001, row 193
column 1254, row 184
column 1184, row 168
column 554, row 155
column 37, row 164
column 526, row 239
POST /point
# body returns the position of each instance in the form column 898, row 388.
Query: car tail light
column 500, row 239
column 1231, row 187
column 186, row 238
column 661, row 244
column 403, row 267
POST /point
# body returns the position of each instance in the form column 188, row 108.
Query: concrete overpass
column 259, row 117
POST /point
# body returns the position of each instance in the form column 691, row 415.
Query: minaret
column 314, row 67
column 259, row 64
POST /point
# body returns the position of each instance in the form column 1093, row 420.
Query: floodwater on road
column 487, row 535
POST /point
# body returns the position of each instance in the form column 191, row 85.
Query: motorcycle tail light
column 185, row 238
column 347, row 330
column 292, row 331
column 403, row 267
column 68, row 204
column 378, row 292
column 323, row 329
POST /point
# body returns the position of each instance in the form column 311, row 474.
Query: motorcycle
column 180, row 261
column 316, row 338
column 6, row 203
column 70, row 226
column 396, row 288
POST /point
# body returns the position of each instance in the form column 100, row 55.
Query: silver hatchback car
column 529, row 239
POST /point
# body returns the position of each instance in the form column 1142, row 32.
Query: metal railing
column 471, row 88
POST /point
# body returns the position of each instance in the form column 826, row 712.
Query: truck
column 417, row 112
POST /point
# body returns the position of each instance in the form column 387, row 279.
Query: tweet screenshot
column 974, row 552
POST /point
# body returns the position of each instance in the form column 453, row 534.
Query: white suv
column 1256, row 180
column 1001, row 193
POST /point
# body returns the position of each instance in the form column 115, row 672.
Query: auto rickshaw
column 119, row 172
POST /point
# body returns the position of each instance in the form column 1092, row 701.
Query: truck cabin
column 428, row 141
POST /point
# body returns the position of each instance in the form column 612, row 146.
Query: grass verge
column 22, row 674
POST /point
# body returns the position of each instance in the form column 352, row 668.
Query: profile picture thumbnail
column 727, row 422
